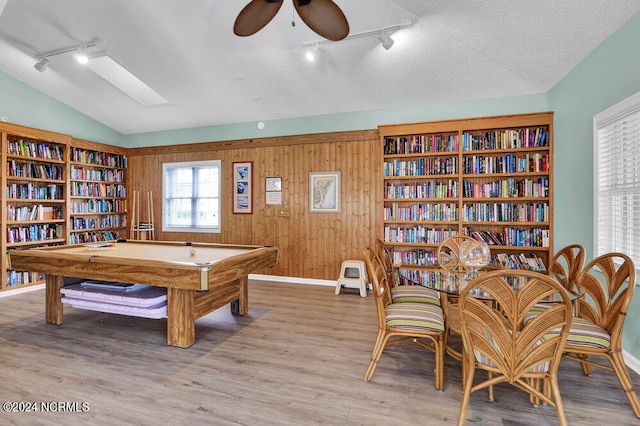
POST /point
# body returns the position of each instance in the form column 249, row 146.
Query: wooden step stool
column 353, row 274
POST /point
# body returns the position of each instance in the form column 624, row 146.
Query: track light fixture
column 81, row 50
column 42, row 64
column 312, row 53
column 386, row 41
column 382, row 34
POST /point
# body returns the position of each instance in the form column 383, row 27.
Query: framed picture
column 243, row 187
column 324, row 192
column 273, row 184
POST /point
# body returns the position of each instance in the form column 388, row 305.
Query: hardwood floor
column 297, row 358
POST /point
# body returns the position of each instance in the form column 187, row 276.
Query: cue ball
column 192, row 252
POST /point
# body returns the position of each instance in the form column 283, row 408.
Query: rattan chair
column 448, row 256
column 597, row 330
column 403, row 293
column 401, row 322
column 566, row 265
column 497, row 340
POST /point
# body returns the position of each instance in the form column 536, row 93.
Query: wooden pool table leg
column 241, row 305
column 53, row 303
column 181, row 328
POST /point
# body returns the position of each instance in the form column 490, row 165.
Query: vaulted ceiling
column 454, row 50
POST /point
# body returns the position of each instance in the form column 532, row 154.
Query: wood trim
column 98, row 146
column 31, row 133
column 350, row 136
column 477, row 123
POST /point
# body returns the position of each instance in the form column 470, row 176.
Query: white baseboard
column 631, row 361
column 293, row 280
column 20, row 290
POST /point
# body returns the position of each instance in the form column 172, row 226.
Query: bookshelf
column 98, row 191
column 488, row 177
column 34, row 192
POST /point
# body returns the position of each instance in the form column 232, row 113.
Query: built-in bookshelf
column 488, row 177
column 34, row 195
column 98, row 191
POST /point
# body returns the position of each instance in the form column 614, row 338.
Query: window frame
column 191, row 164
column 612, row 115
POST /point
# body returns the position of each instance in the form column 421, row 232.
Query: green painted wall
column 608, row 75
column 24, row 105
column 343, row 122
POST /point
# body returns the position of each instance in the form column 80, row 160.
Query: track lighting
column 312, row 53
column 42, row 64
column 82, row 53
column 386, row 41
column 382, row 34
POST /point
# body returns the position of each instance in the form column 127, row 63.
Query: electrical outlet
column 283, row 212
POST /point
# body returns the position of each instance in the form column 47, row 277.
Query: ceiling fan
column 324, row 17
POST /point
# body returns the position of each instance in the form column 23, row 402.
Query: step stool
column 353, row 273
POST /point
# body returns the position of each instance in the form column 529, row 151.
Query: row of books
column 506, row 139
column 86, row 156
column 508, row 163
column 105, row 175
column 33, row 233
column 34, row 191
column 35, row 170
column 99, row 206
column 435, row 211
column 517, row 261
column 505, row 212
column 35, row 149
column 420, row 144
column 426, row 189
column 109, row 221
column 507, row 188
column 449, row 281
column 416, row 257
column 91, row 189
column 416, row 234
column 421, row 167
column 513, row 237
column 93, row 236
column 439, row 280
column 16, row 278
column 36, row 212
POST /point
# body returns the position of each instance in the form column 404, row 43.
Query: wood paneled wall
column 312, row 245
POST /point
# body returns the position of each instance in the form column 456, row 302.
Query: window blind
column 617, row 179
column 191, row 196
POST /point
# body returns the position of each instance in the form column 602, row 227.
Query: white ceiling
column 456, row 50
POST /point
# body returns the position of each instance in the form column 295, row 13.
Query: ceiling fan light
column 387, row 41
column 42, row 64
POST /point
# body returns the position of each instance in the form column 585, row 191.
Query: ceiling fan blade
column 324, row 17
column 255, row 16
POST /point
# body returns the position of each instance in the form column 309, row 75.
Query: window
column 191, row 196
column 617, row 179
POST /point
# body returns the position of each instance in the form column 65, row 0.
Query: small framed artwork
column 273, row 184
column 243, row 187
column 324, row 192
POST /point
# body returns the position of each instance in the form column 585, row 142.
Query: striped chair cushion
column 583, row 333
column 587, row 334
column 483, row 359
column 414, row 293
column 415, row 316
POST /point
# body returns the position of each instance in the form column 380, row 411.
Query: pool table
column 199, row 277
